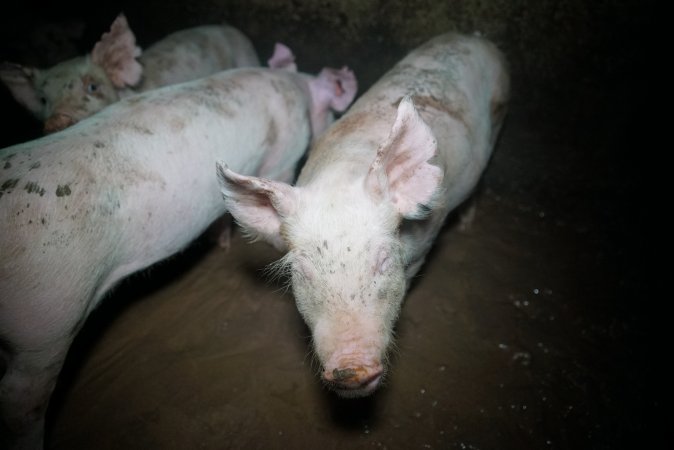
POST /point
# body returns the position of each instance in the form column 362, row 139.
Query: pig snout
column 351, row 349
column 57, row 122
column 351, row 378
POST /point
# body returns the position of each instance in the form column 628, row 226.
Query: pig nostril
column 350, row 378
column 343, row 374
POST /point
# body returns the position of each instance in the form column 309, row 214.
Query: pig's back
column 136, row 182
column 451, row 77
column 195, row 53
column 455, row 81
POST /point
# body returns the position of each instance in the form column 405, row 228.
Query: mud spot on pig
column 142, row 130
column 62, row 190
column 33, row 188
column 99, row 144
column 6, row 159
column 343, row 374
column 8, row 185
column 35, row 165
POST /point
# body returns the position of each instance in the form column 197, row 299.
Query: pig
column 372, row 196
column 83, row 208
column 72, row 90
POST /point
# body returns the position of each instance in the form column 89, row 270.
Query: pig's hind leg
column 28, row 379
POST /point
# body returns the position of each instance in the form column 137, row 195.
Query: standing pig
column 373, row 195
column 75, row 89
column 83, row 208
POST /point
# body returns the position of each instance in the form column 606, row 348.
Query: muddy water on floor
column 520, row 333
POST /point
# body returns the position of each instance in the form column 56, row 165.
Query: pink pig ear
column 257, row 204
column 334, row 87
column 20, row 81
column 116, row 53
column 401, row 170
column 282, row 58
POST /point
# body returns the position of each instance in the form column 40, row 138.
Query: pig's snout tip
column 58, row 122
column 357, row 381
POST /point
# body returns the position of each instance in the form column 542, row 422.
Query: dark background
column 540, row 327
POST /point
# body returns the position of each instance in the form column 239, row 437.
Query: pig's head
column 332, row 90
column 75, row 89
column 345, row 257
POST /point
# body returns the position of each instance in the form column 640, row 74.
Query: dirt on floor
column 528, row 330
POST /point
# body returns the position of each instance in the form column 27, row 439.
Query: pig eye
column 43, row 100
column 92, row 87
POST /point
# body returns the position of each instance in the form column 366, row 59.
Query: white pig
column 374, row 192
column 72, row 90
column 85, row 207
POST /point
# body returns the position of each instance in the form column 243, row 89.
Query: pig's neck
column 346, row 151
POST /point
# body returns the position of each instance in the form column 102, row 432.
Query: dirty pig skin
column 85, row 207
column 115, row 68
column 372, row 196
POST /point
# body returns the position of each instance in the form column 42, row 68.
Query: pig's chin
column 363, row 390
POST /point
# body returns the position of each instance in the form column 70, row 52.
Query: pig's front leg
column 29, row 379
column 221, row 231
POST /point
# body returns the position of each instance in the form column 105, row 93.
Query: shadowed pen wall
column 536, row 328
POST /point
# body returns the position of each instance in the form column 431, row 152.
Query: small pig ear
column 257, row 204
column 282, row 58
column 116, row 53
column 401, row 166
column 334, row 87
column 19, row 80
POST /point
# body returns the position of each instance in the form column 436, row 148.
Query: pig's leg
column 467, row 215
column 25, row 388
column 469, row 208
column 221, row 231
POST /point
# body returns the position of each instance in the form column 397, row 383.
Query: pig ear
column 116, row 53
column 334, row 87
column 257, row 204
column 282, row 58
column 19, row 80
column 401, row 170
